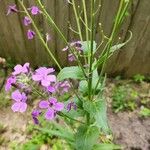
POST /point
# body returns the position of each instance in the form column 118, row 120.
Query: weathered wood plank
column 132, row 59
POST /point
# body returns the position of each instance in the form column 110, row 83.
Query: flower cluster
column 76, row 48
column 24, row 82
column 34, row 10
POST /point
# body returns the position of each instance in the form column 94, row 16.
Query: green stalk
column 64, row 115
column 86, row 20
column 50, row 20
column 40, row 36
column 109, row 44
column 91, row 52
column 77, row 20
column 47, row 48
column 123, row 13
column 86, row 25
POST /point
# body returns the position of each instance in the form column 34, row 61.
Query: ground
column 129, row 129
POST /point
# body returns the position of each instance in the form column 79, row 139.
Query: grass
column 124, row 98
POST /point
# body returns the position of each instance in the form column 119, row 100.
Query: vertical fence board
column 61, row 13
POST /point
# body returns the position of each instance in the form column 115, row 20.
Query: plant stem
column 86, row 26
column 110, row 41
column 77, row 20
column 50, row 20
column 91, row 48
column 40, row 36
column 86, row 21
column 62, row 114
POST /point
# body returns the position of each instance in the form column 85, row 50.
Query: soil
column 129, row 129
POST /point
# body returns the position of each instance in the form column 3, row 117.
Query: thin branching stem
column 91, row 50
column 112, row 37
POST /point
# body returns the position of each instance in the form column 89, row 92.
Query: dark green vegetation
column 132, row 95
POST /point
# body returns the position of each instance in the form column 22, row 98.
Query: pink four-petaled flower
column 34, row 10
column 11, row 80
column 43, row 76
column 21, row 69
column 30, row 34
column 52, row 107
column 20, row 101
column 26, row 21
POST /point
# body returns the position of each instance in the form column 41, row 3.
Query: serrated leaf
column 86, row 47
column 106, row 147
column 73, row 72
column 86, row 137
column 98, row 111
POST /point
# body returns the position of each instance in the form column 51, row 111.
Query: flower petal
column 25, row 68
column 23, row 107
column 50, row 114
column 18, row 69
column 11, row 80
column 45, row 83
column 44, row 104
column 16, row 95
column 15, row 107
column 37, row 77
column 19, row 107
column 24, row 97
column 51, row 89
column 50, row 70
column 51, row 78
column 53, row 101
column 59, row 106
column 41, row 70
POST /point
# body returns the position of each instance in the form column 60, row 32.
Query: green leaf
column 106, row 147
column 62, row 133
column 145, row 112
column 73, row 72
column 86, row 47
column 98, row 111
column 86, row 137
column 83, row 85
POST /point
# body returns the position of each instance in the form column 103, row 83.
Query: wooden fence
column 132, row 59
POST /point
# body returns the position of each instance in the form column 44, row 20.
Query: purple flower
column 65, row 86
column 71, row 105
column 30, row 34
column 71, row 57
column 51, row 89
column 21, row 69
column 52, row 107
column 11, row 80
column 12, row 9
column 35, row 114
column 26, row 21
column 43, row 75
column 34, row 10
column 62, row 87
column 20, row 101
column 77, row 45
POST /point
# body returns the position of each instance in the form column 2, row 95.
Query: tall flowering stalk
column 84, row 110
